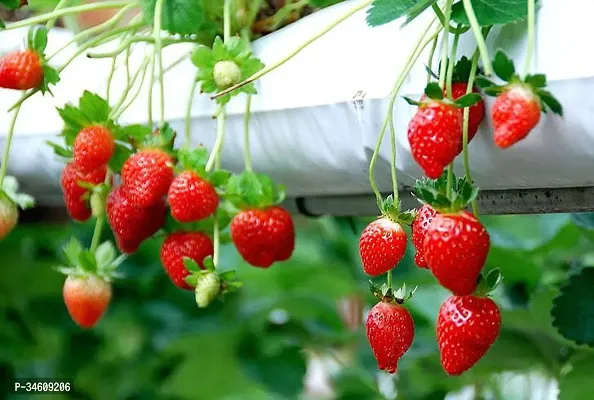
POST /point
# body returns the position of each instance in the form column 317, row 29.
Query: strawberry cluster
column 163, row 191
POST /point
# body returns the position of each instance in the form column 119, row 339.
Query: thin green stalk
column 110, row 23
column 466, row 114
column 69, row 11
column 445, row 44
column 158, row 59
column 188, row 117
column 142, row 72
column 129, row 85
column 110, row 78
column 227, row 21
column 246, row 135
column 389, row 279
column 136, row 39
column 216, row 241
column 431, row 56
column 399, row 82
column 531, row 35
column 293, row 53
column 450, row 182
column 480, row 40
column 6, row 155
column 393, row 160
column 452, row 64
column 216, row 150
column 151, row 83
column 52, row 22
column 175, row 63
column 97, row 233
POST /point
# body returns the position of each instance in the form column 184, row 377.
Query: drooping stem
column 292, row 54
column 246, row 135
column 452, row 64
column 70, row 11
column 142, row 73
column 97, row 233
column 129, row 86
column 227, row 21
column 150, row 91
column 466, row 115
column 6, row 155
column 110, row 23
column 158, row 59
column 450, row 181
column 393, row 164
column 216, row 150
column 431, row 56
column 50, row 23
column 445, row 44
column 137, row 39
column 480, row 40
column 188, row 117
column 389, row 279
column 110, row 79
column 531, row 35
column 418, row 49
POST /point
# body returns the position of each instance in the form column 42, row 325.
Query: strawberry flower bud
column 226, row 74
column 207, row 288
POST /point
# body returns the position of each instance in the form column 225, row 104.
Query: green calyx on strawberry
column 37, row 42
column 195, row 160
column 488, row 282
column 10, row 202
column 250, row 190
column 392, row 211
column 520, row 102
column 103, row 262
column 208, row 283
column 224, row 65
column 434, row 193
column 434, row 92
column 389, row 295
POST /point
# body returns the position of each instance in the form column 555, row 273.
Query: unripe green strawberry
column 226, row 74
column 208, row 287
column 9, row 215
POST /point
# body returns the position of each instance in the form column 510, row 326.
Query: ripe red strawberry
column 21, row 70
column 382, row 245
column 435, row 135
column 93, row 148
column 86, row 299
column 77, row 206
column 515, row 113
column 477, row 111
column 467, row 326
column 147, row 176
column 425, row 215
column 9, row 215
column 131, row 224
column 390, row 332
column 195, row 245
column 192, row 198
column 263, row 236
column 455, row 249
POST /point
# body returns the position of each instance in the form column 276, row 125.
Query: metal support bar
column 491, row 202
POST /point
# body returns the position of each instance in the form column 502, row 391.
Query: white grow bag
column 316, row 119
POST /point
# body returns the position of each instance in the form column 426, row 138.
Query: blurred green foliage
column 154, row 343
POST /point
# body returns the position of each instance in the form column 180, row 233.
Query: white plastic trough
column 316, row 119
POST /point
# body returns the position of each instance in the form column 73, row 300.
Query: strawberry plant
column 141, row 186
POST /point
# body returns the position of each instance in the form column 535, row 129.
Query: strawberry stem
column 97, row 233
column 430, row 62
column 296, row 51
column 450, row 181
column 393, row 165
column 118, row 109
column 70, row 11
column 389, row 278
column 110, row 79
column 246, row 135
column 466, row 116
column 227, row 22
column 531, row 35
column 50, row 23
column 418, row 49
column 452, row 63
column 142, row 74
column 188, row 116
column 6, row 155
column 476, row 30
column 444, row 44
column 158, row 57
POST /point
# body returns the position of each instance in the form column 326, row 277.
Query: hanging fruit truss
column 136, row 181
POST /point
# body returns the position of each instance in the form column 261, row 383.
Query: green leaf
column 250, row 67
column 462, row 70
column 492, row 12
column 24, row 201
column 252, row 189
column 87, row 261
column 193, row 159
column 50, row 75
column 550, row 100
column 191, row 265
column 191, row 280
column 384, row 11
column 209, row 263
column 503, row 66
column 573, row 309
column 228, row 275
column 219, row 51
column 75, row 120
column 120, row 155
column 219, row 177
column 184, row 17
column 105, row 254
column 94, row 107
column 37, row 39
column 137, row 132
column 433, row 91
column 10, row 4
column 203, row 59
column 537, row 80
column 468, row 100
column 577, row 383
column 72, row 251
column 483, row 82
column 2, row 24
